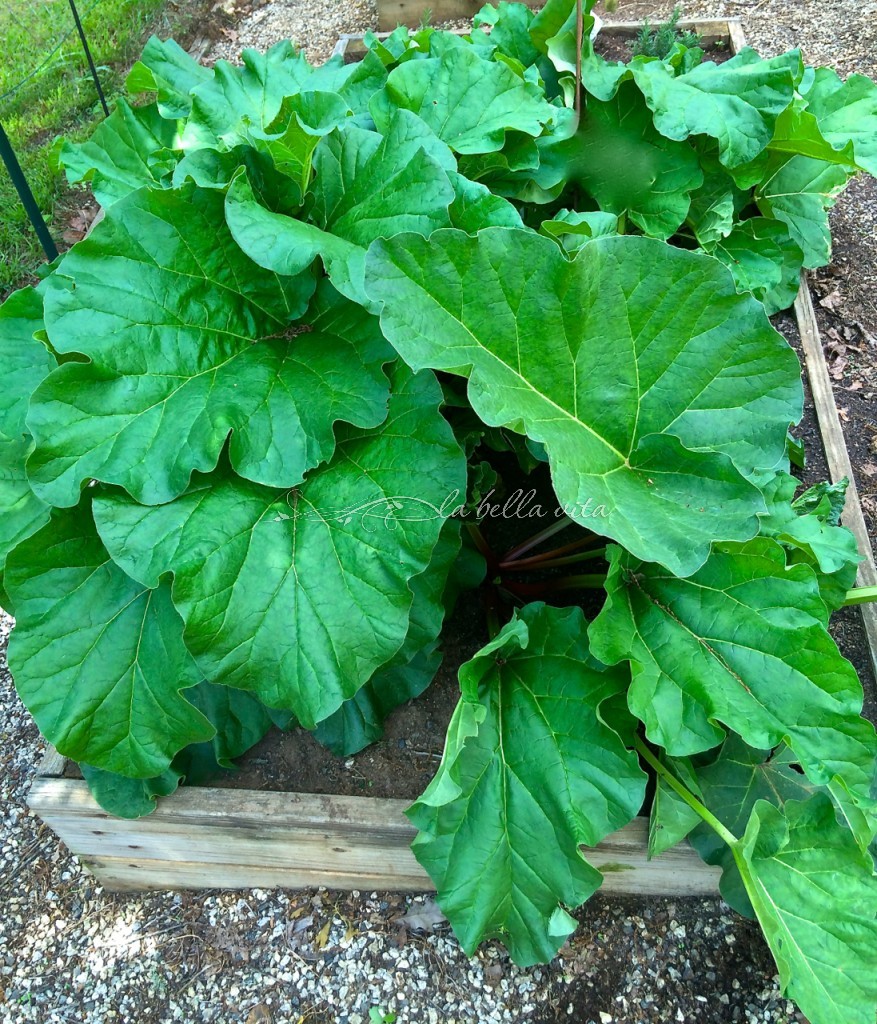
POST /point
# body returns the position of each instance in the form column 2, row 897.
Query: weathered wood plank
column 206, row 806
column 129, row 875
column 135, row 875
column 221, row 838
column 52, row 764
column 411, row 12
column 836, row 453
column 736, row 34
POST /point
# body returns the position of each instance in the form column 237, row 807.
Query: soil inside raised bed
column 401, row 764
column 619, row 47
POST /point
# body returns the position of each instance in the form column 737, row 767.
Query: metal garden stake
column 88, row 57
column 26, row 196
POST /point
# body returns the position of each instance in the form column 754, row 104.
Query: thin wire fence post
column 7, row 153
column 87, row 49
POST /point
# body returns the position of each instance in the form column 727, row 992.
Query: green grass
column 60, row 98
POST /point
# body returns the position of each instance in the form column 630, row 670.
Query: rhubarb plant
column 274, row 415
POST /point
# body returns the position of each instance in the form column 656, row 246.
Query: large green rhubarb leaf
column 290, row 140
column 736, row 103
column 301, row 596
column 530, row 774
column 132, row 147
column 636, row 364
column 370, row 186
column 98, row 659
column 400, row 45
column 846, row 112
column 809, row 529
column 815, row 894
column 730, row 786
column 799, row 191
column 277, row 158
column 742, row 643
column 166, row 69
column 360, row 720
column 713, row 206
column 189, row 341
column 240, row 722
column 572, row 230
column 764, row 260
column 554, row 32
column 625, row 164
column 234, row 99
column 671, row 819
column 797, row 131
column 237, row 100
column 476, row 207
column 22, row 513
column 509, row 31
column 25, row 363
column 128, row 798
column 469, row 102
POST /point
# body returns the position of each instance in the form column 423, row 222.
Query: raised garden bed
column 208, row 837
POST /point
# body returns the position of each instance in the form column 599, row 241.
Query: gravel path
column 72, row 954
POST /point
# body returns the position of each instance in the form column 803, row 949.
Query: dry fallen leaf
column 78, row 224
column 295, row 931
column 260, row 1014
column 831, row 301
column 323, row 935
column 493, row 973
column 423, row 917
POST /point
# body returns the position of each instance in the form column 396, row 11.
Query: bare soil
column 400, row 765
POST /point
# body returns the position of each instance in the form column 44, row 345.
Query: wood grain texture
column 223, row 838
column 836, row 453
column 52, row 764
column 737, row 37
